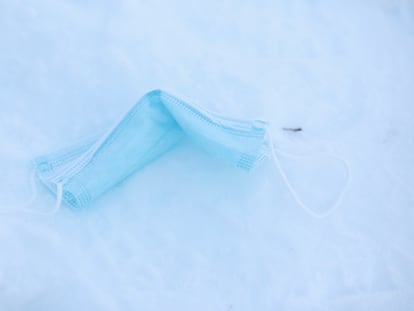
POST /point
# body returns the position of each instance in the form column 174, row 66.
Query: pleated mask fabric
column 152, row 127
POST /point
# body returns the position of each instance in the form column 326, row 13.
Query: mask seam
column 240, row 132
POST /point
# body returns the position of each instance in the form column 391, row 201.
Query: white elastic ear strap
column 291, row 189
column 25, row 207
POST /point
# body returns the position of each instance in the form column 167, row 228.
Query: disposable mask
column 157, row 123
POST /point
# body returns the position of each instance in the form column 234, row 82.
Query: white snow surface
column 190, row 232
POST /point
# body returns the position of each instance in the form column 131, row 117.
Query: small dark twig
column 292, row 129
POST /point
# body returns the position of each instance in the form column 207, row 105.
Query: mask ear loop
column 25, row 206
column 277, row 164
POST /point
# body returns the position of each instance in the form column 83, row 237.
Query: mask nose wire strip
column 25, row 207
column 278, row 166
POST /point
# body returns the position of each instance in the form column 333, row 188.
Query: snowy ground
column 189, row 232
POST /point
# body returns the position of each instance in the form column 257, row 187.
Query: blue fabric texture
column 152, row 127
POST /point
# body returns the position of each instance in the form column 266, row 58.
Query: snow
column 189, row 232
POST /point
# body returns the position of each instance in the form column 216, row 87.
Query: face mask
column 82, row 173
column 155, row 125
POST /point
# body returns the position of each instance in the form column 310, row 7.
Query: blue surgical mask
column 79, row 174
column 156, row 124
